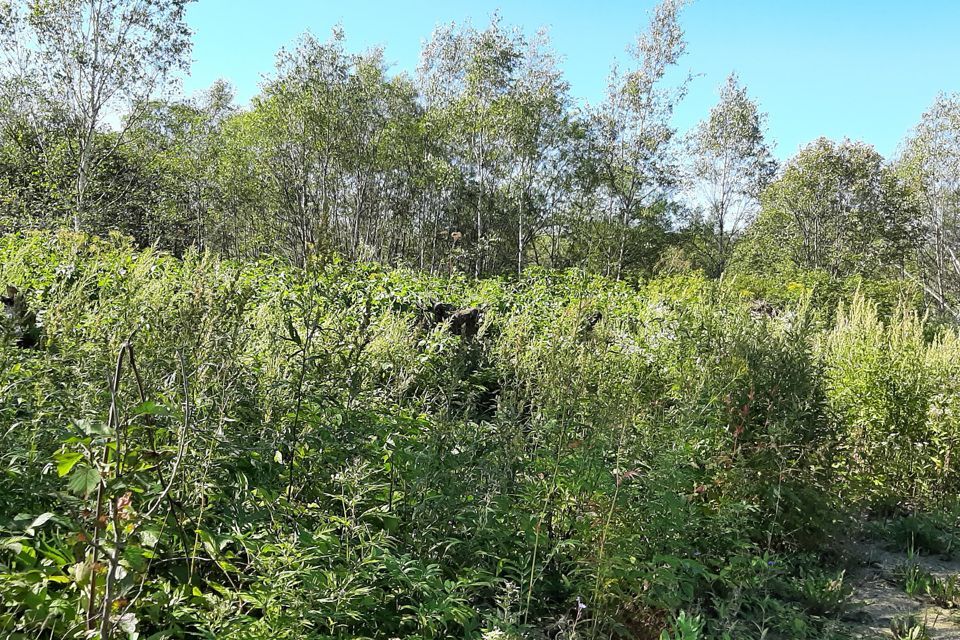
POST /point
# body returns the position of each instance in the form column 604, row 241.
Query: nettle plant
column 120, row 473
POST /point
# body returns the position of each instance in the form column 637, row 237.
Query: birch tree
column 931, row 164
column 101, row 61
column 730, row 164
column 635, row 161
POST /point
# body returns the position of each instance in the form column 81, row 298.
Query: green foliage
column 909, row 628
column 836, row 208
column 894, row 391
column 730, row 165
column 928, row 165
column 248, row 449
column 481, row 163
column 223, row 417
column 685, row 628
column 923, row 533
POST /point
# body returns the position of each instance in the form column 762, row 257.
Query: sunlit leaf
column 38, row 522
column 66, row 462
column 84, row 480
column 151, row 408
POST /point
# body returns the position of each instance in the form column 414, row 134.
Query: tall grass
column 894, row 392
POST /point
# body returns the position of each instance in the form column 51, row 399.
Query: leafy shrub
column 892, row 391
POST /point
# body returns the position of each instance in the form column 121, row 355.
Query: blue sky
column 842, row 68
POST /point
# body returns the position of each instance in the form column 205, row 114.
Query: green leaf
column 151, row 408
column 38, row 522
column 128, row 624
column 84, row 480
column 14, row 544
column 150, row 537
column 66, row 462
column 94, row 427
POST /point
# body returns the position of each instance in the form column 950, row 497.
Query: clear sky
column 841, row 68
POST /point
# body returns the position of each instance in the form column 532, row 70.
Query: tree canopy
column 480, row 163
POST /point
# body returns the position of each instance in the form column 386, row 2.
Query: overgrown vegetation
column 453, row 356
column 481, row 162
column 202, row 448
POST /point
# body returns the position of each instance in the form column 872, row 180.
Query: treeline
column 480, row 163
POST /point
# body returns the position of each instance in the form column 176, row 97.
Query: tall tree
column 837, row 207
column 466, row 76
column 633, row 132
column 339, row 151
column 180, row 141
column 537, row 119
column 302, row 115
column 730, row 164
column 101, row 61
column 931, row 164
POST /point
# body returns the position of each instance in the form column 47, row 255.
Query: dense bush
column 896, row 397
column 213, row 449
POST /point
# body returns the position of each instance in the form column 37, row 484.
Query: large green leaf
column 151, row 408
column 66, row 461
column 84, row 480
column 94, row 427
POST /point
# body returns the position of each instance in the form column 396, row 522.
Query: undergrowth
column 200, row 448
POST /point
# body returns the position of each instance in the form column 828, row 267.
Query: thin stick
column 101, row 487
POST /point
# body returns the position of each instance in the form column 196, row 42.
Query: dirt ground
column 879, row 598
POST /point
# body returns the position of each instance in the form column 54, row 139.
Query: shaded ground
column 879, row 598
